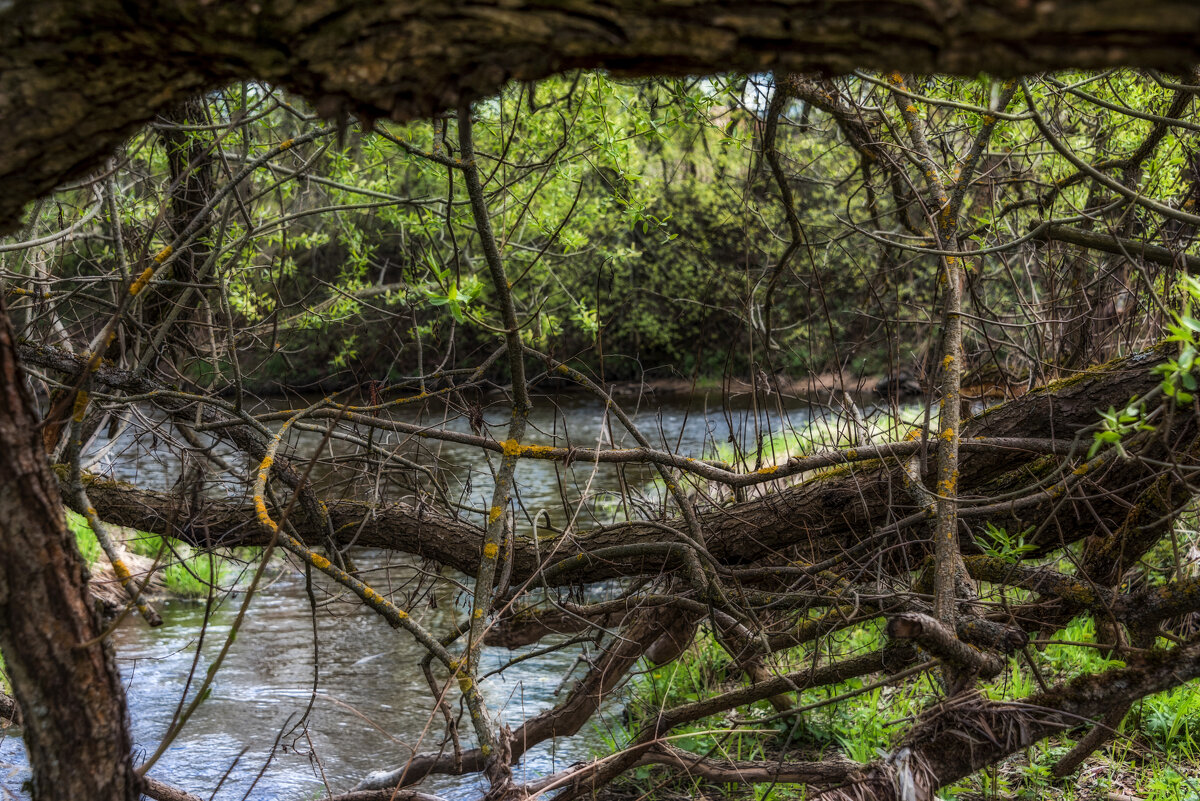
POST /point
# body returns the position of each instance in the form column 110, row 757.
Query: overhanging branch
column 1120, row 246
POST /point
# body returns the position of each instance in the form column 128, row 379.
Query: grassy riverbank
column 179, row 569
column 1153, row 758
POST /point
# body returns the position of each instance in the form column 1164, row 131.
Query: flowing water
column 370, row 708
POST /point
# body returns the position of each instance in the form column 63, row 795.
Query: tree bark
column 71, row 698
column 9, row 711
column 995, row 729
column 76, row 80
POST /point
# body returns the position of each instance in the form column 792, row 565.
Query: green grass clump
column 1172, row 721
column 85, row 538
column 185, row 571
column 1156, row 757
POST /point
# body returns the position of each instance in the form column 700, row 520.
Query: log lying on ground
column 819, row 518
column 566, row 715
column 736, row 771
column 949, row 742
column 824, row 517
column 968, row 733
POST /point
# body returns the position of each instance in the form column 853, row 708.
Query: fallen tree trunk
column 846, row 516
column 967, row 733
column 950, row 741
column 825, row 517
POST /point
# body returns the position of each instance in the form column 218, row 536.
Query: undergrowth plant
column 1153, row 758
column 185, row 571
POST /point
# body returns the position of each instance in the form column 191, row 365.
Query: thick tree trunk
column 76, row 79
column 71, row 698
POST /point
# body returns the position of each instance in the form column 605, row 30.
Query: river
column 371, row 708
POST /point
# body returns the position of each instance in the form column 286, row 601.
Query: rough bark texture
column 71, row 698
column 77, row 78
column 10, row 713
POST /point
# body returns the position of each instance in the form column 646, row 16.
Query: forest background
column 646, row 226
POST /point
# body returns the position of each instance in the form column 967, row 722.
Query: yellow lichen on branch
column 138, row 285
column 81, row 404
column 260, row 510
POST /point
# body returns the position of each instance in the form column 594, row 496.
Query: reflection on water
column 372, row 708
column 372, row 705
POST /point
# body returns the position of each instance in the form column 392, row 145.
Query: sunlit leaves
column 1178, row 378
